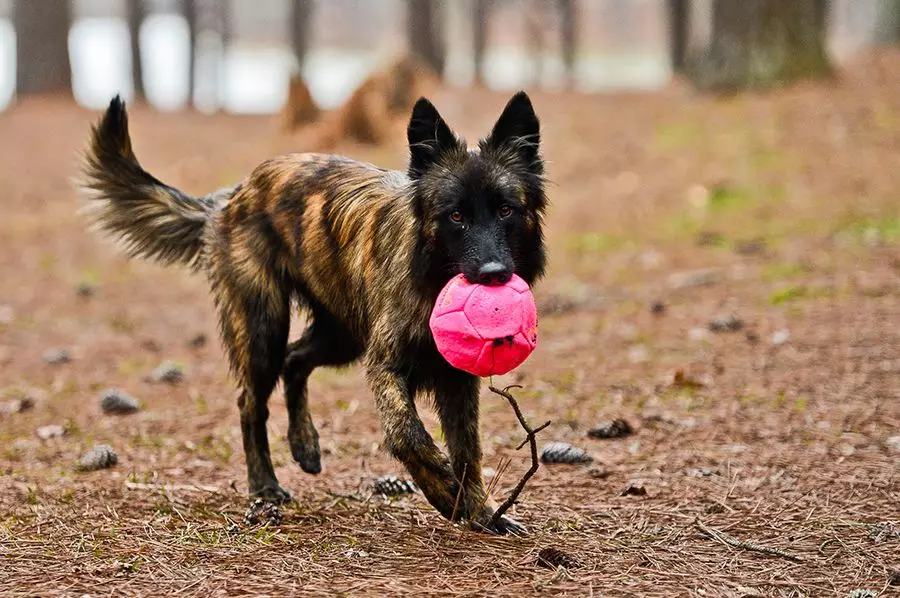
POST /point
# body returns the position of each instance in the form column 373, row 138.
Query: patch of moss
column 796, row 292
column 869, row 231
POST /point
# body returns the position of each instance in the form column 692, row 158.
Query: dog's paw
column 272, row 493
column 507, row 525
column 306, row 453
column 504, row 525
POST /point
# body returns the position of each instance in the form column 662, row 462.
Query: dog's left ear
column 517, row 129
column 428, row 136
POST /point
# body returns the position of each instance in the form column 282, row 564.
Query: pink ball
column 485, row 330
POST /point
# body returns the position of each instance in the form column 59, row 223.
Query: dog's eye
column 505, row 211
column 456, row 217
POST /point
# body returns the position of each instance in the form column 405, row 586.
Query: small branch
column 732, row 541
column 172, row 487
column 529, row 439
column 345, row 496
column 462, row 484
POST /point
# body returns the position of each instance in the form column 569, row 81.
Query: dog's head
column 479, row 209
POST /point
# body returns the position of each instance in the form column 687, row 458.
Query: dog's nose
column 493, row 274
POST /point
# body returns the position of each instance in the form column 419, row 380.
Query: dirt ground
column 781, row 209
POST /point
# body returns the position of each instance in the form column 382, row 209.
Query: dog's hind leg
column 323, row 343
column 253, row 296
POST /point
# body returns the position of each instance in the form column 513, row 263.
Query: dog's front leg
column 456, row 398
column 408, row 441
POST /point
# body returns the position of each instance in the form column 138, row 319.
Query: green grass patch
column 870, row 231
column 792, row 293
column 728, row 199
column 89, row 276
column 201, row 404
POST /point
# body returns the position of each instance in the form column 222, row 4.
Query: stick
column 530, row 438
column 172, row 487
column 459, row 492
column 732, row 541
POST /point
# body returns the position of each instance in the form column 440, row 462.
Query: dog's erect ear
column 428, row 137
column 517, row 129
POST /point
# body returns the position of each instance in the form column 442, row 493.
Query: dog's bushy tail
column 149, row 218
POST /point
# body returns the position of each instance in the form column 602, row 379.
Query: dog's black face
column 479, row 209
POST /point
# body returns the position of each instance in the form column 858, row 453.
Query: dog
column 364, row 252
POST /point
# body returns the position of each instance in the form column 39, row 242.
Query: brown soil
column 783, row 433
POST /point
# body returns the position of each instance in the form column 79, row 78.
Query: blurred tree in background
column 135, row 14
column 887, row 29
column 191, row 14
column 480, row 10
column 424, row 24
column 762, row 43
column 42, row 67
column 679, row 15
column 746, row 43
column 537, row 14
column 300, row 20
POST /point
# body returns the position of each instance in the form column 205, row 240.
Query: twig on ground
column 732, row 541
column 172, row 487
column 530, row 438
column 462, row 484
column 348, row 496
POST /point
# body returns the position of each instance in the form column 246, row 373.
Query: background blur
column 243, row 51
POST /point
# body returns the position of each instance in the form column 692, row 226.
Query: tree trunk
column 535, row 38
column 763, row 43
column 480, row 12
column 424, row 30
column 887, row 29
column 42, row 47
column 135, row 18
column 225, row 35
column 569, row 34
column 191, row 13
column 301, row 17
column 679, row 33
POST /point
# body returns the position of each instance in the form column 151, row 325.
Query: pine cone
column 729, row 323
column 102, row 456
column 561, row 452
column 167, row 372
column 263, row 512
column 85, row 289
column 551, row 558
column 389, row 485
column 117, row 401
column 634, row 490
column 197, row 341
column 57, row 357
column 617, row 428
column 894, row 578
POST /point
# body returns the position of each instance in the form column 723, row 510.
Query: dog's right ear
column 428, row 137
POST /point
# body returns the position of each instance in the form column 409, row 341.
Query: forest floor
column 778, row 209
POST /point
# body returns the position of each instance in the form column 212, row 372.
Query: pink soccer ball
column 485, row 330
